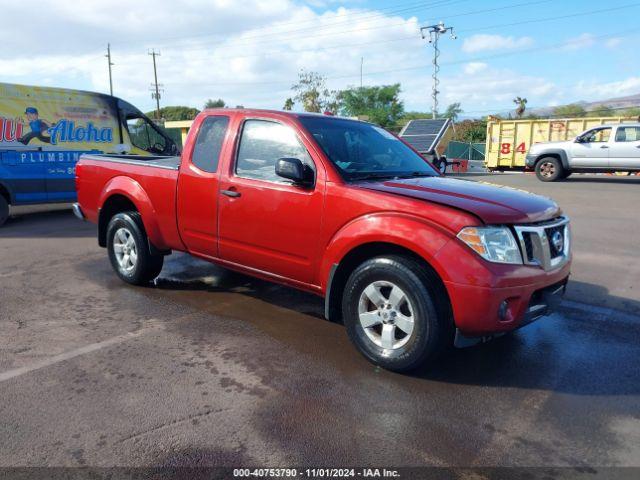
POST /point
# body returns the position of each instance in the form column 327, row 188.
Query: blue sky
column 250, row 52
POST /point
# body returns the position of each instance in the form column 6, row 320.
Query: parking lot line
column 16, row 372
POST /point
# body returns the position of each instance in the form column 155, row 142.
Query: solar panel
column 425, row 127
column 424, row 134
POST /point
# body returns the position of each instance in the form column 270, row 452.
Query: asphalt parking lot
column 209, row 367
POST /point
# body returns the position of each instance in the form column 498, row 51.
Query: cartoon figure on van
column 37, row 125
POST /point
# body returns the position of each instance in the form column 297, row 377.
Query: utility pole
column 361, row 65
column 434, row 32
column 108, row 55
column 155, row 86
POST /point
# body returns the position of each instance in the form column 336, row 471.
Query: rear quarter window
column 206, row 151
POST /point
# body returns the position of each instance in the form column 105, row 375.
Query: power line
column 377, row 27
column 329, row 25
column 548, row 19
column 410, row 37
column 622, row 34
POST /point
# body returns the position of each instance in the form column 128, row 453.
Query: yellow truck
column 508, row 141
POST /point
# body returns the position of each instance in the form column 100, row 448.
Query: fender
column 132, row 190
column 564, row 158
column 416, row 234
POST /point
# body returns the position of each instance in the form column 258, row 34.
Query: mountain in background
column 618, row 103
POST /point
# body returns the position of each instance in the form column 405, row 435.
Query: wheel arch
column 555, row 153
column 123, row 194
column 340, row 272
column 5, row 193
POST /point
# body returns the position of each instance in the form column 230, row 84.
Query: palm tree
column 521, row 106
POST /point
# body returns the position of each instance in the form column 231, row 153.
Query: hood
column 493, row 204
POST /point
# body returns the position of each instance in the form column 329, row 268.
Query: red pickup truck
column 408, row 260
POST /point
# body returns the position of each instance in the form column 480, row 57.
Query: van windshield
column 362, row 151
column 143, row 133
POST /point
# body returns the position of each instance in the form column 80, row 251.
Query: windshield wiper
column 415, row 175
column 373, row 176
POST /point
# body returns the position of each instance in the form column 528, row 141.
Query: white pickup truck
column 607, row 148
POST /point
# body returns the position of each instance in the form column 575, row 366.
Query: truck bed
column 153, row 179
column 171, row 163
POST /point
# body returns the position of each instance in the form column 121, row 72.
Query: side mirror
column 293, row 169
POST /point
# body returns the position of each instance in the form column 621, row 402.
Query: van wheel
column 390, row 311
column 549, row 169
column 4, row 210
column 128, row 249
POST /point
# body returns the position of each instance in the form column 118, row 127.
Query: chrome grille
column 546, row 244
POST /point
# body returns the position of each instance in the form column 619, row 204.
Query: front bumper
column 77, row 211
column 542, row 303
column 530, row 160
column 489, row 298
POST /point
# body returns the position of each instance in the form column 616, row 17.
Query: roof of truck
column 282, row 112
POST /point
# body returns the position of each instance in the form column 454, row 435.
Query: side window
column 628, row 134
column 206, row 151
column 262, row 143
column 600, row 135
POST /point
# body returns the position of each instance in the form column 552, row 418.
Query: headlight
column 495, row 244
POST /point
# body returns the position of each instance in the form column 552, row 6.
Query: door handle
column 604, row 146
column 231, row 193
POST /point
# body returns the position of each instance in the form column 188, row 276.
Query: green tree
column 312, row 92
column 569, row 111
column 602, row 111
column 219, row 103
column 173, row 113
column 288, row 104
column 453, row 111
column 379, row 104
column 631, row 112
column 521, row 106
column 471, row 131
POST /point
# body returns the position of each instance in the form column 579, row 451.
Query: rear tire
column 4, row 210
column 549, row 169
column 128, row 249
column 393, row 312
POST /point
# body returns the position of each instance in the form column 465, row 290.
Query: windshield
column 363, row 151
column 143, row 133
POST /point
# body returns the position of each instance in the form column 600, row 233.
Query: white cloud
column 613, row 42
column 603, row 91
column 584, row 40
column 486, row 42
column 472, row 68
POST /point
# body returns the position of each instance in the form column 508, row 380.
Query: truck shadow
column 603, row 179
column 46, row 224
column 558, row 353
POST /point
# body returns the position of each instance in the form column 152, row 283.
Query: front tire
column 549, row 169
column 128, row 249
column 392, row 309
column 4, row 210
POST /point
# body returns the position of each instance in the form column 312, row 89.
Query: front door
column 198, row 187
column 267, row 223
column 625, row 150
column 593, row 149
